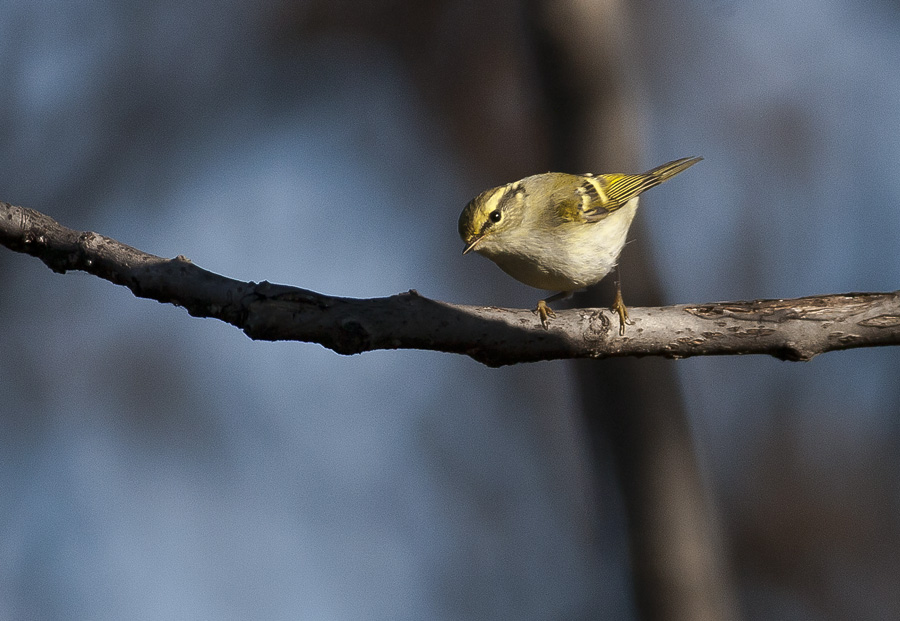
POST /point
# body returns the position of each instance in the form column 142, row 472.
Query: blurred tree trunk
column 633, row 407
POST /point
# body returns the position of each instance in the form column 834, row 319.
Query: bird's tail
column 670, row 169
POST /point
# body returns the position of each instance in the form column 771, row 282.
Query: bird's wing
column 603, row 194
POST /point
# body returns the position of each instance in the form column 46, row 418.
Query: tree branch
column 795, row 329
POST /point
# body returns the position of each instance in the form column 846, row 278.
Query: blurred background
column 153, row 465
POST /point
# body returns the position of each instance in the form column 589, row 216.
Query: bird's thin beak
column 472, row 243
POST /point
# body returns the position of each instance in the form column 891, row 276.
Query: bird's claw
column 544, row 311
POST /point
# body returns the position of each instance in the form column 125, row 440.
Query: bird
column 558, row 231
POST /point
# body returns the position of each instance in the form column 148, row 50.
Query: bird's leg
column 543, row 309
column 619, row 306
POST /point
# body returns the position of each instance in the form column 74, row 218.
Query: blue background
column 153, row 465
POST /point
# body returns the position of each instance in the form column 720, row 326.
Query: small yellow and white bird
column 558, row 231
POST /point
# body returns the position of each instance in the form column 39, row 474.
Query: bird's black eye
column 495, row 216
